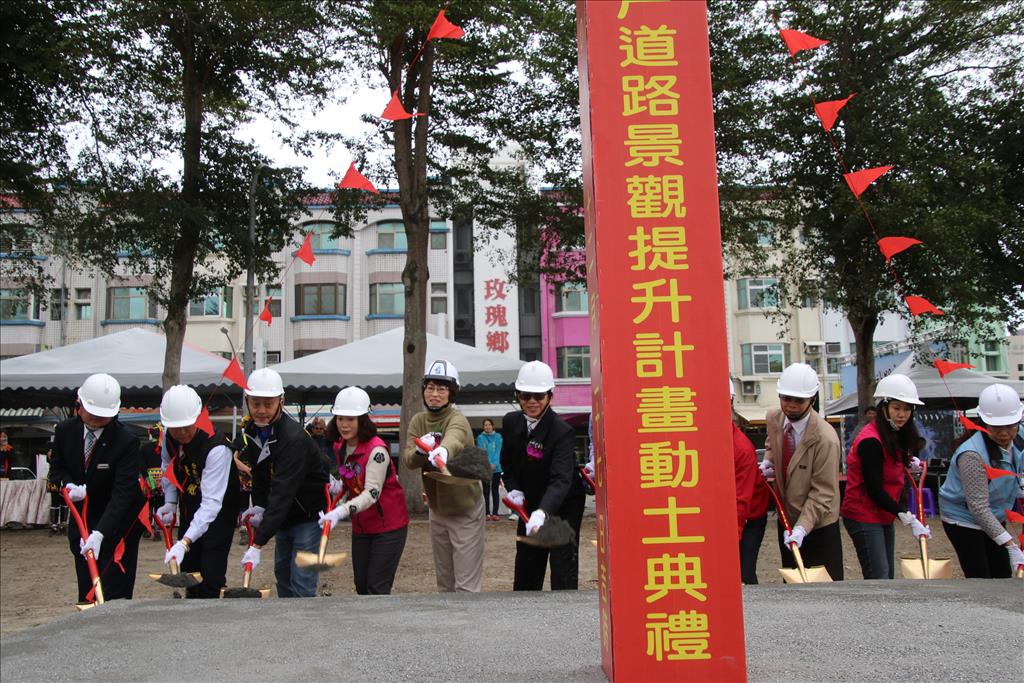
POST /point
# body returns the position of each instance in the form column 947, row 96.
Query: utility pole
column 250, row 276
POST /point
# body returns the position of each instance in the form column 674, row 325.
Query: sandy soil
column 37, row 580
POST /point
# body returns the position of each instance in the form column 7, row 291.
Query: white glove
column 517, row 497
column 251, row 555
column 166, row 512
column 915, row 466
column 1016, row 557
column 176, row 553
column 906, row 518
column 919, row 529
column 439, row 453
column 429, row 441
column 254, row 514
column 589, row 468
column 334, row 516
column 76, row 492
column 536, row 522
column 796, row 536
column 767, row 468
column 92, row 543
column 336, row 486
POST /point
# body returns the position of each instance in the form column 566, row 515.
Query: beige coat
column 810, row 488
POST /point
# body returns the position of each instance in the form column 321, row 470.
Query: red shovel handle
column 587, row 478
column 518, row 509
column 83, row 531
column 779, row 506
column 166, row 529
column 918, row 487
column 425, row 447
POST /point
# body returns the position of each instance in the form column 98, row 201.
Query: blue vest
column 1002, row 491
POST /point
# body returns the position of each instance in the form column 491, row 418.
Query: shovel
column 801, row 574
column 444, row 474
column 555, row 532
column 589, row 487
column 174, row 579
column 245, row 591
column 924, row 567
column 90, row 559
column 321, row 561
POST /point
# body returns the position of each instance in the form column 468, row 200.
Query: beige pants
column 458, row 543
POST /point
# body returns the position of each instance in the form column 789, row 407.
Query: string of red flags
column 797, row 41
column 354, row 180
column 169, row 475
column 890, row 246
column 919, row 305
column 305, row 252
column 945, row 367
column 969, row 424
column 442, row 28
column 395, row 111
column 266, row 315
column 828, row 112
column 234, row 373
column 204, row 423
column 860, row 180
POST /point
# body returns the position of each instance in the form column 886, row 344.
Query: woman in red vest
column 875, row 477
column 373, row 498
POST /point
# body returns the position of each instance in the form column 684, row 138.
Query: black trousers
column 117, row 584
column 821, row 547
column 492, row 495
column 375, row 560
column 979, row 556
column 750, row 546
column 531, row 561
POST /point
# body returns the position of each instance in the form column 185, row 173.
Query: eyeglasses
column 436, row 389
column 529, row 395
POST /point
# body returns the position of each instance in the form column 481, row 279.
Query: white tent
column 135, row 357
column 963, row 385
column 375, row 364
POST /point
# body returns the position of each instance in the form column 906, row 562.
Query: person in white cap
column 288, row 479
column 538, row 464
column 802, row 451
column 875, row 477
column 456, row 512
column 972, row 506
column 95, row 456
column 206, row 508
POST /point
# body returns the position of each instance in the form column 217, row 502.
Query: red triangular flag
column 918, row 305
column 945, row 367
column 828, row 111
column 203, row 422
column 859, row 180
column 890, row 246
column 1012, row 516
column 442, row 28
column 996, row 473
column 967, row 423
column 796, row 41
column 169, row 475
column 144, row 517
column 305, row 252
column 234, row 373
column 265, row 315
column 118, row 554
column 354, row 180
column 395, row 111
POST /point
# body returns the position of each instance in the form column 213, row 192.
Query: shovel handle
column 423, row 446
column 799, row 561
column 518, row 509
column 922, row 542
column 247, row 576
column 587, row 478
column 778, row 506
column 83, row 531
column 918, row 487
column 166, row 529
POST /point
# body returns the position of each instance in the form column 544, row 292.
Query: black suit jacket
column 549, row 481
column 112, row 480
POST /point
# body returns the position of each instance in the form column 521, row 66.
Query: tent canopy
column 375, row 364
column 135, row 357
column 963, row 385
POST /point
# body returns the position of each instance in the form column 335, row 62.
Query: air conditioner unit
column 814, row 348
column 750, row 388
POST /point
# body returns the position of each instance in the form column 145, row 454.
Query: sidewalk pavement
column 851, row 631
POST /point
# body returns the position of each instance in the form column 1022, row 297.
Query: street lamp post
column 250, row 276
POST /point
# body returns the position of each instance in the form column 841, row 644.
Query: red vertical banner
column 668, row 558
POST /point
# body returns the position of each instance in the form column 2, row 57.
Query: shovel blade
column 451, row 480
column 82, row 606
column 814, row 575
column 938, row 568
column 308, row 560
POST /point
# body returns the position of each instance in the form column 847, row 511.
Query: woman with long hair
column 875, row 468
column 373, row 499
column 972, row 506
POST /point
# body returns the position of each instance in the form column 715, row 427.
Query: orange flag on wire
column 234, row 373
column 945, row 367
column 265, row 315
column 354, row 180
column 1012, row 516
column 305, row 252
column 996, row 473
column 442, row 28
column 859, row 180
column 204, row 422
column 890, row 246
column 144, row 517
column 967, row 423
column 169, row 475
column 828, row 111
column 395, row 111
column 918, row 305
column 796, row 41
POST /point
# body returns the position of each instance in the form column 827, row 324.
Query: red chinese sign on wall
column 669, row 583
column 496, row 315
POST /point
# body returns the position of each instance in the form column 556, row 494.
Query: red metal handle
column 83, row 531
column 425, row 447
column 587, row 478
column 167, row 529
column 518, row 509
column 779, row 506
column 918, row 487
column 248, row 530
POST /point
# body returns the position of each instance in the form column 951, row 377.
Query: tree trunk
column 864, row 336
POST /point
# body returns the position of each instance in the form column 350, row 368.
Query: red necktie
column 788, row 447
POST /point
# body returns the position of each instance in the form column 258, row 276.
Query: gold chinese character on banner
column 651, row 144
column 662, row 466
column 654, row 95
column 655, row 196
column 649, row 298
column 650, row 347
column 673, row 512
column 666, row 409
column 624, row 6
column 674, row 573
column 679, row 636
column 648, row 46
column 664, row 248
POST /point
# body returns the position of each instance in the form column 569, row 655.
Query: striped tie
column 90, row 441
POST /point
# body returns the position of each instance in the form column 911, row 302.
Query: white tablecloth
column 24, row 501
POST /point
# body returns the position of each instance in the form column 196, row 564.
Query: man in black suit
column 96, row 458
column 538, row 466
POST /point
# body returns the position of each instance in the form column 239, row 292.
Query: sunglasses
column 529, row 395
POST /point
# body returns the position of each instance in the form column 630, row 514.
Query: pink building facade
column 565, row 344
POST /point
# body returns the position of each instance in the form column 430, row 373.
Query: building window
column 305, row 352
column 993, row 356
column 15, row 304
column 327, row 298
column 83, row 303
column 439, row 297
column 215, row 305
column 273, row 357
column 438, row 240
column 832, row 365
column 764, row 359
column 271, row 293
column 391, row 235
column 571, row 297
column 58, row 298
column 573, row 361
column 757, row 293
column 320, row 235
column 387, row 298
column 130, row 303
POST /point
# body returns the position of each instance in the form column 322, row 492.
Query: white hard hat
column 899, row 387
column 799, row 380
column 535, row 376
column 999, row 405
column 100, row 395
column 180, row 406
column 266, row 383
column 351, row 402
column 442, row 371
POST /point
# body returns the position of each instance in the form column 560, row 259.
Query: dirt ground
column 37, row 579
